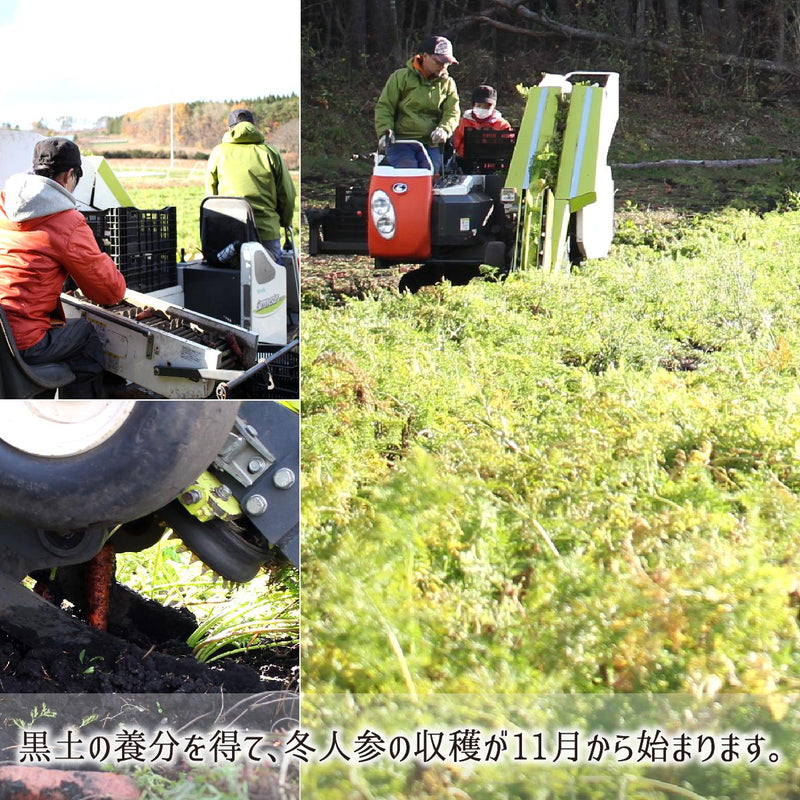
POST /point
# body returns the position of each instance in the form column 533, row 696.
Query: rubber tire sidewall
column 158, row 451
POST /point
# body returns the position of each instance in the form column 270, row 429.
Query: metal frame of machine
column 236, row 487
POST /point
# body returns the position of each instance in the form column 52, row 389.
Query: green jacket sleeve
column 212, row 179
column 386, row 107
column 285, row 191
column 451, row 109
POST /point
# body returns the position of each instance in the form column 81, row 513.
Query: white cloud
column 88, row 58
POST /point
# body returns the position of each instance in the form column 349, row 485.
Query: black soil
column 144, row 651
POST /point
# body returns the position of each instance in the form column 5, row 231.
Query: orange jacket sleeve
column 95, row 272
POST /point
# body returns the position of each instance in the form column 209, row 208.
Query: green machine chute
column 558, row 174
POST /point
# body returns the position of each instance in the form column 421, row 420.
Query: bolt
column 191, row 496
column 256, row 465
column 251, row 430
column 283, row 478
column 223, row 492
column 255, row 505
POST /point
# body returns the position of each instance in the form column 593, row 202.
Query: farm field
column 153, row 184
column 580, row 485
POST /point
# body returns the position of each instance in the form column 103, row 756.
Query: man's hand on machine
column 385, row 141
column 439, row 136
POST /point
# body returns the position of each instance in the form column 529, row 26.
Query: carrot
column 99, row 575
column 36, row 783
column 231, row 341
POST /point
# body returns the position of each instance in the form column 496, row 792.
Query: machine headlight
column 383, row 216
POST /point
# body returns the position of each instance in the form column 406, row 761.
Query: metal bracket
column 244, row 456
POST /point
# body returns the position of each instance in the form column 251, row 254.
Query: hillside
column 197, row 127
column 651, row 127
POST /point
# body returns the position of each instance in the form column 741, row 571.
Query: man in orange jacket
column 43, row 240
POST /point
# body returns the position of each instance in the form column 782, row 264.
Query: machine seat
column 224, row 220
column 20, row 380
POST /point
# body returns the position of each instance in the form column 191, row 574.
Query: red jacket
column 43, row 239
column 495, row 121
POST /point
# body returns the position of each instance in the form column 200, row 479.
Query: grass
column 153, row 185
column 232, row 618
column 584, row 485
column 580, row 485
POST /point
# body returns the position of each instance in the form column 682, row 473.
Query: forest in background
column 701, row 58
column 200, row 124
column 764, row 34
column 196, row 127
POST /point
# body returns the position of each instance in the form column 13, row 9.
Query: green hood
column 244, row 133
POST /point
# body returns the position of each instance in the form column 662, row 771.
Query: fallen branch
column 708, row 163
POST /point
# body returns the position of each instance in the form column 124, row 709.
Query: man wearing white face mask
column 482, row 115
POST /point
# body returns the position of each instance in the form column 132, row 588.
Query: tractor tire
column 414, row 280
column 218, row 545
column 99, row 463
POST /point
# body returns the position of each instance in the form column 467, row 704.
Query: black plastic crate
column 146, row 272
column 351, row 198
column 96, row 221
column 133, row 230
column 344, row 226
column 487, row 150
column 348, row 220
column 142, row 243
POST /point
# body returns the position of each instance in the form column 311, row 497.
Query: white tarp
column 16, row 152
column 97, row 189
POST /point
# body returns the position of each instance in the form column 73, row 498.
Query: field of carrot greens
column 584, row 484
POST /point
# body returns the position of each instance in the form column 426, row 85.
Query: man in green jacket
column 243, row 165
column 419, row 101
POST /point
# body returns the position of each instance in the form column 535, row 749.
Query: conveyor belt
column 155, row 319
column 167, row 349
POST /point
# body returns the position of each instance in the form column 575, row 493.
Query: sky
column 87, row 59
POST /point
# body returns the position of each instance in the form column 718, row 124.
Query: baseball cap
column 57, row 154
column 440, row 48
column 484, row 94
column 240, row 115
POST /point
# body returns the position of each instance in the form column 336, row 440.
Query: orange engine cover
column 410, row 192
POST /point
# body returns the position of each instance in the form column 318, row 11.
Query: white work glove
column 385, row 141
column 439, row 136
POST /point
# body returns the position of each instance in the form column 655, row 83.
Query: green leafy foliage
column 583, row 484
column 232, row 618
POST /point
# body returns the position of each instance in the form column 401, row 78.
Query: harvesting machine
column 83, row 480
column 185, row 329
column 540, row 196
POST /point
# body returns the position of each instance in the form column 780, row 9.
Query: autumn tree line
column 734, row 42
column 200, row 125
